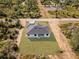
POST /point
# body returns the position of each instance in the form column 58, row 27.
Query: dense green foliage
column 9, row 30
column 32, row 9
column 20, row 9
column 8, row 50
column 69, row 12
column 29, row 8
column 35, row 57
column 69, row 8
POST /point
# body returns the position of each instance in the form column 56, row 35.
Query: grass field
column 38, row 46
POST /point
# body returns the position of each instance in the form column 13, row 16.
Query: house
column 53, row 7
column 38, row 31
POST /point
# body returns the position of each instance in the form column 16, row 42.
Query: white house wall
column 46, row 35
column 33, row 36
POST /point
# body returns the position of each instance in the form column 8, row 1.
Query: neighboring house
column 38, row 31
column 53, row 7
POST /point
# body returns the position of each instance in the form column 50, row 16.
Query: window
column 28, row 34
column 40, row 34
column 47, row 34
column 34, row 34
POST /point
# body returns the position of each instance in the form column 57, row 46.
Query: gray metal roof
column 38, row 29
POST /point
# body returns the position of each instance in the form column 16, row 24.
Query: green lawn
column 38, row 46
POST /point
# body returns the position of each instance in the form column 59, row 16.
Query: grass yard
column 38, row 46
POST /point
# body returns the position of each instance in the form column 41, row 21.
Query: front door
column 40, row 35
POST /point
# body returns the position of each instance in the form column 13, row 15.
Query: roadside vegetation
column 29, row 8
column 63, row 9
column 32, row 9
column 69, row 12
column 8, row 50
column 19, row 9
column 71, row 31
column 9, row 31
column 34, row 56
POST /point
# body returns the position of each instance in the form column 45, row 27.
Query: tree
column 15, row 47
column 2, row 14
